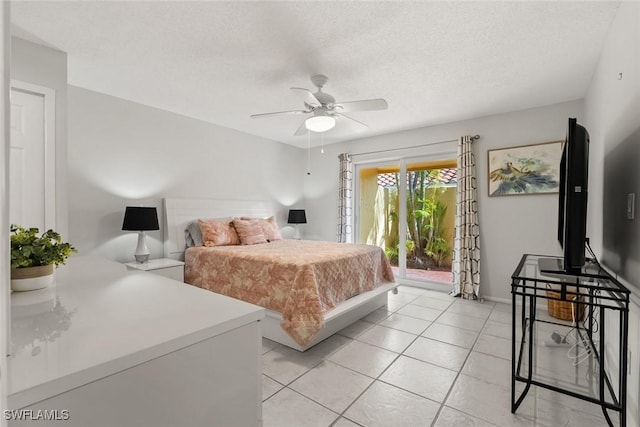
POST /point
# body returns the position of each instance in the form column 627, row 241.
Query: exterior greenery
column 28, row 249
column 428, row 240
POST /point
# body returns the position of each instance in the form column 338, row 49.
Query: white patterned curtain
column 345, row 198
column 466, row 252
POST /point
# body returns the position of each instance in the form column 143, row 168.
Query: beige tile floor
column 427, row 359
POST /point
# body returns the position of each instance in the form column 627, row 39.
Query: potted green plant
column 33, row 257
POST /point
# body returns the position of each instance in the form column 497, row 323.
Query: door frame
column 5, row 289
column 49, row 98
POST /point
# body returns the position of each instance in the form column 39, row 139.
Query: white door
column 32, row 158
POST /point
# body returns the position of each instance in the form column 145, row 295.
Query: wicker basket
column 562, row 308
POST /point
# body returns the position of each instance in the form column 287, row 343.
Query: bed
column 310, row 289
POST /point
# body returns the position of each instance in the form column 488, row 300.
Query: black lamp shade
column 140, row 219
column 297, row 216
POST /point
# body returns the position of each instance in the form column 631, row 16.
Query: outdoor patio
column 427, row 275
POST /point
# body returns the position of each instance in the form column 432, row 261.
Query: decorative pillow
column 193, row 235
column 269, row 227
column 271, row 230
column 218, row 232
column 249, row 231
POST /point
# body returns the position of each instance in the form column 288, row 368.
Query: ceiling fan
column 325, row 110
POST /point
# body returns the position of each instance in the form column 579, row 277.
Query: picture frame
column 524, row 170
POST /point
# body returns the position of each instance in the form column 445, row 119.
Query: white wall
column 510, row 226
column 612, row 106
column 111, row 153
column 122, row 153
column 612, row 112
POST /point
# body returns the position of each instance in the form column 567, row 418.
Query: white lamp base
column 142, row 252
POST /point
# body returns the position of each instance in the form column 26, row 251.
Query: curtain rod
column 473, row 138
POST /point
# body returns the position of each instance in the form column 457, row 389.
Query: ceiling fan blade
column 302, row 130
column 352, row 123
column 255, row 116
column 364, row 105
column 307, row 96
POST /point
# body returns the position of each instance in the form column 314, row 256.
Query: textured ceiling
column 434, row 62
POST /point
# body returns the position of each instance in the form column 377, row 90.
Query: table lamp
column 297, row 216
column 140, row 219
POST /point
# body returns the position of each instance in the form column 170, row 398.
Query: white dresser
column 108, row 346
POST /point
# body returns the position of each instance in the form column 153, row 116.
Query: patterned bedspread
column 301, row 279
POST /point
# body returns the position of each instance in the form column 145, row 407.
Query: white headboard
column 179, row 213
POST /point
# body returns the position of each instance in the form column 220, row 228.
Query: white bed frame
column 179, row 213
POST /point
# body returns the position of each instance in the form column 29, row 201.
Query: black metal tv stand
column 568, row 356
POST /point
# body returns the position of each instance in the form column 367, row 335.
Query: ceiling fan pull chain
column 322, row 143
column 308, row 152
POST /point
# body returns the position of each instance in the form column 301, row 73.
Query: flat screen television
column 572, row 203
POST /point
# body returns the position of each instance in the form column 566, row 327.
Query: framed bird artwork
column 527, row 169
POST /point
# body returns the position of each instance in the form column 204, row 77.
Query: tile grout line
column 397, row 356
column 392, row 362
column 458, row 372
column 446, row 397
column 377, row 378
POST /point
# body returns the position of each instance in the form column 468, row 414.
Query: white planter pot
column 31, row 278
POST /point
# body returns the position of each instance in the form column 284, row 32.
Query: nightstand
column 166, row 267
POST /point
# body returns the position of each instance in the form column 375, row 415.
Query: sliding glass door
column 407, row 207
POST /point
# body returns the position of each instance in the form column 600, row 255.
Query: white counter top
column 100, row 318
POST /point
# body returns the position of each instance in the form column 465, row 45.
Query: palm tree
column 426, row 236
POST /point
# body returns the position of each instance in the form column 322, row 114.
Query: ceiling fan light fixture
column 320, row 123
